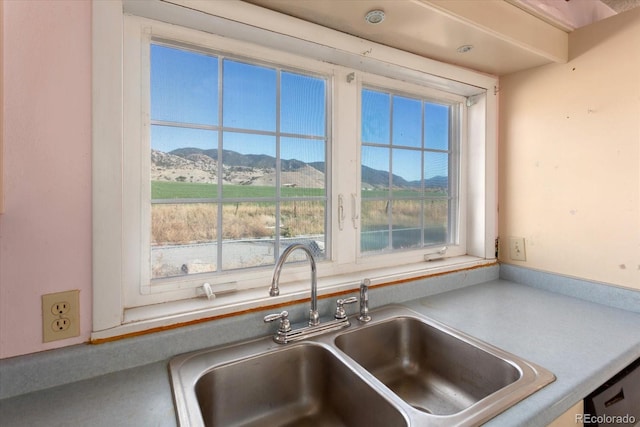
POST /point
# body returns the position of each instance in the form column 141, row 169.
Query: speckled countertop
column 583, row 343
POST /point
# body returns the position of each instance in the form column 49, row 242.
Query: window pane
column 302, row 167
column 182, row 190
column 375, row 172
column 183, row 239
column 181, row 141
column 374, row 235
column 249, row 96
column 436, row 218
column 302, row 104
column 303, row 222
column 248, row 233
column 183, row 163
column 375, row 117
column 406, row 224
column 239, row 162
column 407, row 172
column 241, row 221
column 436, row 173
column 407, row 122
column 436, row 126
column 184, row 86
column 423, row 212
column 249, row 165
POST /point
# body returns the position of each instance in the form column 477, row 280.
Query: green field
column 190, row 190
column 181, row 190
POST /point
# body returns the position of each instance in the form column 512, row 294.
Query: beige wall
column 570, row 157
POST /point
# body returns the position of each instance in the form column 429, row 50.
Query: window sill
column 148, row 319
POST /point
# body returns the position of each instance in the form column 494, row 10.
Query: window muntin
column 267, row 128
column 409, row 159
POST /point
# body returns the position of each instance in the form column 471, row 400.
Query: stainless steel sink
column 299, row 385
column 428, row 368
column 400, row 369
column 439, row 371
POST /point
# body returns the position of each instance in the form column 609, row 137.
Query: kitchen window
column 216, row 144
column 409, row 181
column 238, row 162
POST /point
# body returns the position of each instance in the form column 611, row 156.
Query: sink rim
column 186, row 369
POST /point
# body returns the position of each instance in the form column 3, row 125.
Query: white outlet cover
column 517, row 251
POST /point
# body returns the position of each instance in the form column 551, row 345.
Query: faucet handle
column 285, row 325
column 341, row 314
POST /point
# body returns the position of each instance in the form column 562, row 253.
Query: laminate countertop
column 582, row 342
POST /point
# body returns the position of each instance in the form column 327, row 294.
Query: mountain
column 233, row 158
column 198, row 165
column 374, row 178
column 437, row 182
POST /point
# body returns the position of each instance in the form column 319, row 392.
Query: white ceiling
column 505, row 39
column 572, row 14
column 621, row 5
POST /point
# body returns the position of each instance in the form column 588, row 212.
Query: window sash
column 394, row 148
column 140, row 33
column 279, row 199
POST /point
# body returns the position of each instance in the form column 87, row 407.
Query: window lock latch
column 438, row 254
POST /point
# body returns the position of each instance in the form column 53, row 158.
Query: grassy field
column 191, row 190
column 185, row 190
column 183, row 223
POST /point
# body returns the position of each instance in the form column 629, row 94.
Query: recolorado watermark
column 605, row 419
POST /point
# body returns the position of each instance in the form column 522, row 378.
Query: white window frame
column 139, row 288
column 116, row 248
column 458, row 248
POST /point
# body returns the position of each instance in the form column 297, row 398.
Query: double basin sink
column 400, row 369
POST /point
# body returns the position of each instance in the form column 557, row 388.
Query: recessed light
column 374, row 17
column 464, row 48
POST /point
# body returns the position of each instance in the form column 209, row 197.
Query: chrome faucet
column 364, row 301
column 274, row 290
column 285, row 333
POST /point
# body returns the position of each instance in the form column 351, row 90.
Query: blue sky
column 396, row 123
column 185, row 89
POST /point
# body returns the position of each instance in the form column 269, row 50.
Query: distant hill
column 198, row 165
column 233, row 158
column 437, row 182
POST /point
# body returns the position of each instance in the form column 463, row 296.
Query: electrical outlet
column 60, row 308
column 60, row 315
column 517, row 249
column 61, row 324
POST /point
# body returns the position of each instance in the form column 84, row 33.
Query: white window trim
column 138, row 32
column 417, row 256
column 111, row 242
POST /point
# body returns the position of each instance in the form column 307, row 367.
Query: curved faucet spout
column 274, row 290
